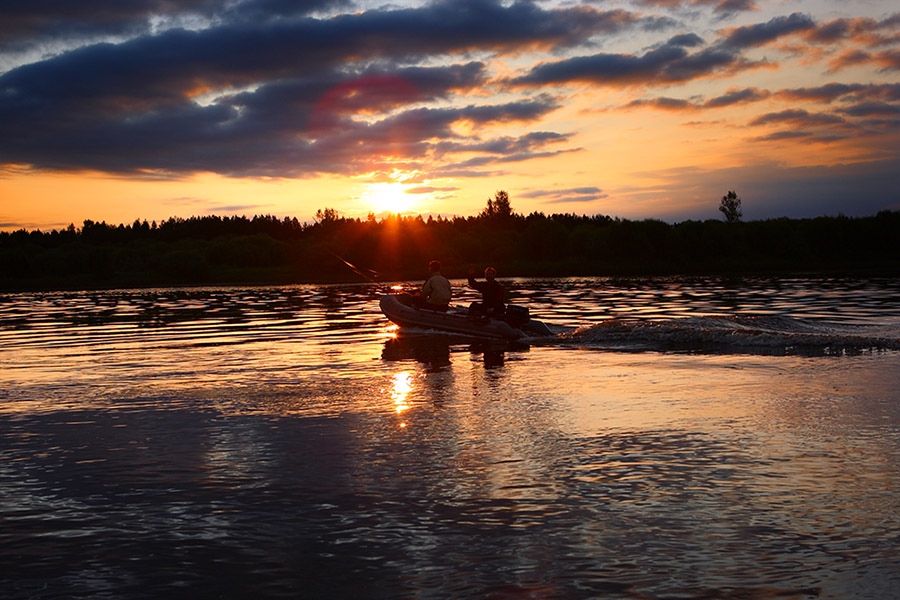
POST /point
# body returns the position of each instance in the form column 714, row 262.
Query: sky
column 117, row 110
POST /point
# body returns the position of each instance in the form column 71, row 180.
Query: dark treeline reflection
column 265, row 249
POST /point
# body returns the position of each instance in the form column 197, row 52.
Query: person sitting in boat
column 435, row 294
column 491, row 304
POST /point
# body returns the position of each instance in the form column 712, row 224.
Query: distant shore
column 263, row 250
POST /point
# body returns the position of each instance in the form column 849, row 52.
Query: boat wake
column 763, row 334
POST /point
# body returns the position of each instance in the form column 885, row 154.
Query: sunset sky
column 116, row 110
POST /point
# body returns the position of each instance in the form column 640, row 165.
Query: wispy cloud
column 567, row 195
column 797, row 117
column 669, row 63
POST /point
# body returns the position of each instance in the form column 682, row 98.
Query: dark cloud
column 741, row 96
column 889, row 60
column 686, row 40
column 734, row 6
column 575, row 199
column 235, row 208
column 272, row 96
column 665, row 64
column 871, row 109
column 886, row 60
column 250, row 142
column 178, row 63
column 751, row 36
column 501, row 150
column 503, row 145
column 865, row 98
column 287, row 127
column 849, row 58
column 566, row 196
column 823, row 93
column 21, row 22
column 797, row 117
column 729, row 98
column 783, row 135
column 881, row 127
column 675, row 104
column 726, row 7
column 870, row 32
column 670, row 62
column 24, row 24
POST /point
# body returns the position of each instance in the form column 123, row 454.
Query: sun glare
column 402, row 386
column 387, row 197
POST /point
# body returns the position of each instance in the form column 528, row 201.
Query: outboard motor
column 517, row 315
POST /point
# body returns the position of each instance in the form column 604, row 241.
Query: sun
column 387, row 197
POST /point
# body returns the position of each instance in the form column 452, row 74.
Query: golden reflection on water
column 401, row 386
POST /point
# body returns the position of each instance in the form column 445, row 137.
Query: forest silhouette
column 209, row 250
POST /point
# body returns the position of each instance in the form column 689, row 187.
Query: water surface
column 676, row 439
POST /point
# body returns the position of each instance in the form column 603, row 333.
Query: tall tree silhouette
column 731, row 207
column 498, row 208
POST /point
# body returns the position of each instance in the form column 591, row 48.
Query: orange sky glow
column 639, row 109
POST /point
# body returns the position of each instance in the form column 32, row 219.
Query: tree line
column 264, row 249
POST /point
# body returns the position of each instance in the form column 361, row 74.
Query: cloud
column 887, row 60
column 282, row 95
column 671, row 104
column 263, row 134
column 798, row 117
column 865, row 98
column 566, row 196
column 25, row 22
column 509, row 158
column 235, row 208
column 672, row 62
column 668, row 63
column 731, row 97
column 726, row 7
column 503, row 145
column 783, row 135
column 866, row 31
column 869, row 109
column 737, row 96
column 823, row 93
column 759, row 34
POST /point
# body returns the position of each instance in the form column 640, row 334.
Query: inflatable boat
column 516, row 323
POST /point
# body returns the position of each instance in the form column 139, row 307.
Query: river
column 675, row 438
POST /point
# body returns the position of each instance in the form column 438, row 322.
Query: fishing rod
column 367, row 274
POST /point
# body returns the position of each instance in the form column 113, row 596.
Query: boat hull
column 454, row 321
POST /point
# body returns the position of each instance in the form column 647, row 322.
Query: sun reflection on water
column 401, row 386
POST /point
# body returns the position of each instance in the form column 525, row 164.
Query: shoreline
column 884, row 271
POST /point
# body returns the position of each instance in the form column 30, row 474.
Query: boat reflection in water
column 435, row 351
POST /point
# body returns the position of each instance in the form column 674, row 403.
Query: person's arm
column 472, row 283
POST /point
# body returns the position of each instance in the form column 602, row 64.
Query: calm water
column 677, row 439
